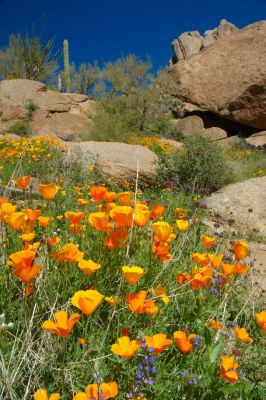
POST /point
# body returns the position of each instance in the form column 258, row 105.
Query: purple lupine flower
column 184, row 373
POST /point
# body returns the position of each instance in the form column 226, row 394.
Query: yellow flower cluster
column 153, row 142
column 33, row 147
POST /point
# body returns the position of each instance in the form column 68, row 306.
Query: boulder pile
column 65, row 115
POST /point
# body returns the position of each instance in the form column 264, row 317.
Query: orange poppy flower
column 42, row 394
column 163, row 231
column 48, row 192
column 215, row 259
column 261, row 320
column 141, row 216
column 28, row 290
column 27, row 237
column 76, row 229
column 241, row 269
column 107, row 390
column 132, row 274
column 180, row 210
column 182, row 224
column 124, row 347
column 242, row 335
column 87, row 301
column 32, row 214
column 161, row 292
column 98, row 192
column 99, row 221
column 7, row 209
column 208, row 241
column 228, row 269
column 137, row 303
column 88, row 267
column 53, row 241
column 157, row 211
column 124, row 198
column 183, row 342
column 228, row 369
column 3, row 200
column 113, row 300
column 241, row 249
column 23, row 182
column 21, row 259
column 161, row 251
column 16, row 220
column 200, row 280
column 68, row 252
column 44, row 221
column 74, row 217
column 27, row 274
column 215, row 325
column 110, row 196
column 208, row 259
column 32, row 217
column 81, row 341
column 116, row 238
column 62, row 325
column 81, row 396
column 122, row 216
column 158, row 342
column 181, row 278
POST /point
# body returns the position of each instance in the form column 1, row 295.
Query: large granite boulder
column 118, row 161
column 66, row 126
column 258, row 140
column 241, row 205
column 228, row 77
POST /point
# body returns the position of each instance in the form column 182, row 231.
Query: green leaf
column 207, row 336
column 217, row 350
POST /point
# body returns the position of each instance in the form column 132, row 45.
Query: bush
column 27, row 57
column 21, row 128
column 200, row 168
column 132, row 101
column 31, row 107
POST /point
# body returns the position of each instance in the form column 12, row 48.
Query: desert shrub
column 27, row 57
column 132, row 100
column 31, row 107
column 20, row 128
column 199, row 168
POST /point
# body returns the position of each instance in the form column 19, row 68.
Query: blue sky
column 104, row 30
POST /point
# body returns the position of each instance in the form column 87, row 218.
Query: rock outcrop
column 228, row 77
column 241, row 205
column 189, row 43
column 118, row 161
column 66, row 115
column 193, row 125
column 258, row 140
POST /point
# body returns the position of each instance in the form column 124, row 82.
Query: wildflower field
column 107, row 293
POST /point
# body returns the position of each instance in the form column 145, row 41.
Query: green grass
column 246, row 163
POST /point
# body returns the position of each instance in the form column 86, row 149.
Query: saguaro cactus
column 66, row 66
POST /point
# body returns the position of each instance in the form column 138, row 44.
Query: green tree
column 83, row 79
column 26, row 57
column 132, row 100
